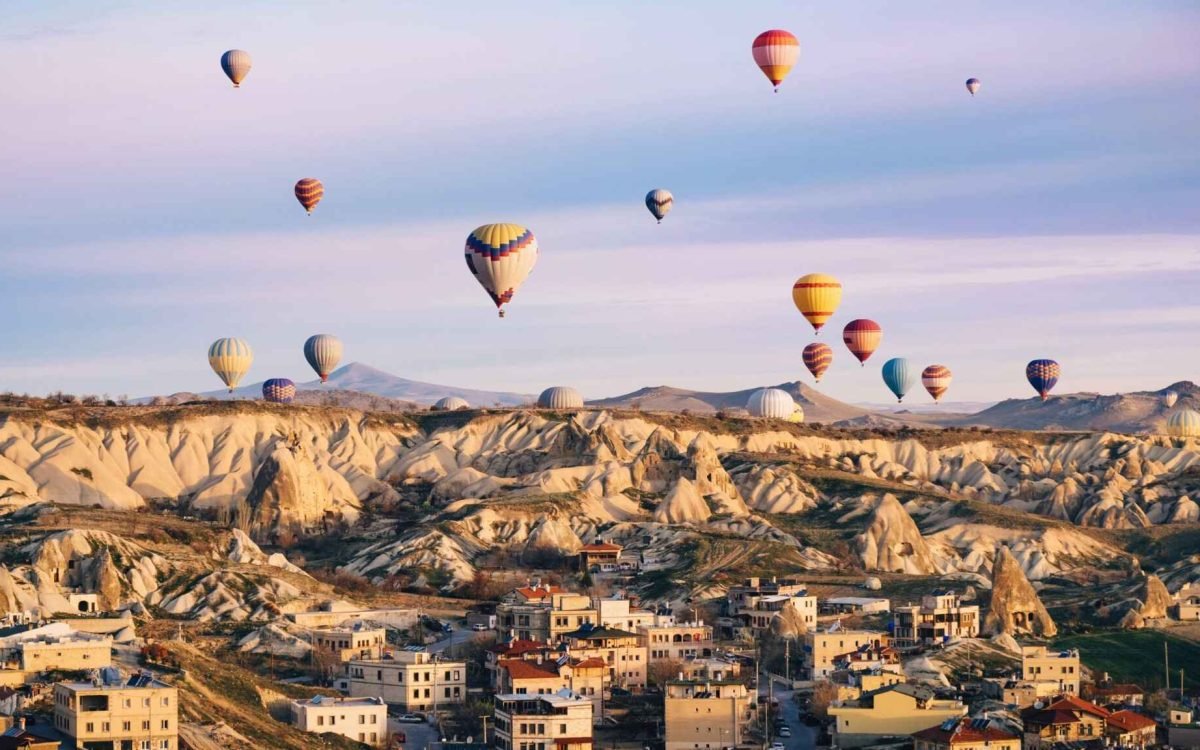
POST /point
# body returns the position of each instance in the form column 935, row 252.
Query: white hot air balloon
column 451, row 403
column 772, row 403
column 1184, row 423
column 560, row 397
column 230, row 359
column 323, row 353
column 1169, row 398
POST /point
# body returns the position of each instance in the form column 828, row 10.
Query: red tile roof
column 601, row 547
column 590, row 663
column 1071, row 703
column 519, row 669
column 963, row 732
column 1130, row 721
column 540, row 592
column 518, row 647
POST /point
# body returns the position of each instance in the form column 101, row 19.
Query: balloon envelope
column 279, row 390
column 230, row 359
column 862, row 337
column 973, row 85
column 1043, row 375
column 659, row 202
column 936, row 379
column 817, row 358
column 500, row 257
column 776, row 52
column 236, row 64
column 1184, row 423
column 309, row 191
column 1169, row 398
column 451, row 403
column 771, row 403
column 323, row 352
column 899, row 376
column 817, row 296
column 560, row 397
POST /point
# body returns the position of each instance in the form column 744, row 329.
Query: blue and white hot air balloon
column 659, row 202
column 236, row 64
column 279, row 390
column 899, row 376
column 323, row 353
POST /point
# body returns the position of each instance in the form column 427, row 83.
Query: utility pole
column 787, row 660
column 1167, row 668
column 484, row 718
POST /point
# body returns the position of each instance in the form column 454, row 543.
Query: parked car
column 411, row 718
column 777, row 746
column 620, row 691
column 479, row 627
column 785, row 731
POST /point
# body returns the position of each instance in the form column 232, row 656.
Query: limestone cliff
column 1015, row 608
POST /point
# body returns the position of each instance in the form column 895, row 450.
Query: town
column 576, row 664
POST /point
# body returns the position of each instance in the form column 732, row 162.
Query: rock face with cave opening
column 1015, row 608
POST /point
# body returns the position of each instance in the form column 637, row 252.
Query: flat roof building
column 361, row 719
column 100, row 716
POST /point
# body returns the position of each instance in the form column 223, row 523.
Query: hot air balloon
column 659, row 202
column 898, row 377
column 500, row 256
column 236, row 64
column 776, row 52
column 451, row 403
column 230, row 358
column 862, row 338
column 560, row 397
column 1043, row 374
column 973, row 85
column 1169, row 398
column 323, row 353
column 817, row 296
column 771, row 403
column 1184, row 423
column 817, row 358
column 309, row 191
column 279, row 391
column 936, row 379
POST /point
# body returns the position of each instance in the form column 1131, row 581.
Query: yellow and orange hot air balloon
column 817, row 296
column 862, row 338
column 776, row 52
column 309, row 191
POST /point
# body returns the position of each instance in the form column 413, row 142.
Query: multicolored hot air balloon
column 817, row 296
column 1169, row 398
column 323, row 353
column 659, row 202
column 1043, row 374
column 973, row 85
column 862, row 338
column 236, row 64
column 230, row 359
column 936, row 379
column 817, row 358
column 1184, row 423
column 500, row 256
column 776, row 52
column 899, row 377
column 309, row 191
column 279, row 391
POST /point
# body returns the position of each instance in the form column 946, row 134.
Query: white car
column 785, row 731
column 777, row 745
column 479, row 627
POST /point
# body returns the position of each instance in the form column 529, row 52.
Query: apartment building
column 74, row 652
column 542, row 613
column 140, row 713
column 1051, row 672
column 677, row 641
column 705, row 714
column 600, row 556
column 583, row 677
column 1063, row 720
column 410, row 678
column 823, row 648
column 894, row 710
column 624, row 654
column 618, row 612
column 966, row 734
column 756, row 603
column 559, row 721
column 940, row 617
column 359, row 641
column 361, row 719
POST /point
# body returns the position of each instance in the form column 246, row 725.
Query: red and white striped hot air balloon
column 776, row 52
column 936, row 379
column 862, row 338
column 817, row 358
column 309, row 191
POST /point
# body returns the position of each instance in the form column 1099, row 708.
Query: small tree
column 824, row 694
column 664, row 670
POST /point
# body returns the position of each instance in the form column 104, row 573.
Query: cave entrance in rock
column 84, row 607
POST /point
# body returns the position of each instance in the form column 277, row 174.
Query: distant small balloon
column 1169, row 398
column 236, row 64
column 862, row 338
column 659, row 202
column 309, row 191
column 279, row 390
column 899, row 377
column 973, row 85
column 936, row 379
column 776, row 52
column 1043, row 375
column 817, row 358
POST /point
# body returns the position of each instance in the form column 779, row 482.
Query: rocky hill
column 817, row 406
column 1137, row 412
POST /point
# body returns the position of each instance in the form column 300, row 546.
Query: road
column 457, row 636
column 417, row 736
column 803, row 736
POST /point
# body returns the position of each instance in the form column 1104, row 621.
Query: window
column 145, row 745
column 562, row 728
column 166, row 723
column 166, row 701
column 320, row 721
column 105, row 727
column 446, row 694
column 126, row 726
column 90, row 727
column 145, row 726
column 164, row 745
column 374, row 720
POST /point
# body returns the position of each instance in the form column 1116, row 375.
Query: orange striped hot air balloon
column 776, row 52
column 936, row 379
column 862, row 338
column 309, row 192
column 817, row 358
column 817, row 296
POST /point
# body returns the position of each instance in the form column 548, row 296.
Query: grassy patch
column 1136, row 656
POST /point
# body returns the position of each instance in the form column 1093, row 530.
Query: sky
column 147, row 206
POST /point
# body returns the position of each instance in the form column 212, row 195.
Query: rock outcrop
column 892, row 542
column 1154, row 598
column 1015, row 607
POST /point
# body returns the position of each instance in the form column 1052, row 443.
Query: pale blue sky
column 147, row 206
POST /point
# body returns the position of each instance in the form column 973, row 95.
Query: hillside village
column 243, row 576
